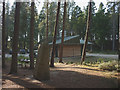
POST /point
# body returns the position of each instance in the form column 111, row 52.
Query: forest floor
column 62, row 76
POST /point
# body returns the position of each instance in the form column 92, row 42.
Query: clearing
column 62, row 76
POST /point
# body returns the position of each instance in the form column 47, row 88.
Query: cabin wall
column 71, row 50
column 68, row 50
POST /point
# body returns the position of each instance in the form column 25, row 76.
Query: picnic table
column 24, row 62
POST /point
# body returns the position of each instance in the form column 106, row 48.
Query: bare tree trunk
column 55, row 35
column 102, row 47
column 25, row 41
column 113, row 22
column 47, row 23
column 6, row 40
column 119, row 35
column 87, row 31
column 62, row 40
column 32, row 36
column 3, row 36
column 13, row 68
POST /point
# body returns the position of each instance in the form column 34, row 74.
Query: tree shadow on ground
column 66, row 79
column 19, row 81
column 72, row 79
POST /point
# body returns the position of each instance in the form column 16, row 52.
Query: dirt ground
column 62, row 76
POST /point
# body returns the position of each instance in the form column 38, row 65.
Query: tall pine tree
column 13, row 68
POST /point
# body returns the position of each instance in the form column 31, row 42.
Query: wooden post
column 55, row 35
column 87, row 32
column 3, row 35
column 62, row 40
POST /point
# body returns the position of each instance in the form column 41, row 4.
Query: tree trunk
column 13, row 68
column 25, row 41
column 3, row 36
column 47, row 23
column 32, row 36
column 113, row 22
column 119, row 35
column 102, row 47
column 6, row 42
column 87, row 31
column 62, row 40
column 55, row 35
column 42, row 71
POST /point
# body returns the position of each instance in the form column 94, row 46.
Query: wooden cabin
column 72, row 46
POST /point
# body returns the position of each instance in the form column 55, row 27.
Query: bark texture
column 47, row 23
column 3, row 36
column 42, row 71
column 119, row 35
column 55, row 35
column 32, row 36
column 62, row 40
column 13, row 68
column 87, row 32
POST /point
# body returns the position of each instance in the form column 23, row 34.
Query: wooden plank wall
column 71, row 50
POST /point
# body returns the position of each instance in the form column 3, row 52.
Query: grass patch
column 8, row 59
column 110, row 65
column 91, row 61
column 19, row 59
column 95, row 61
column 22, row 57
column 70, row 62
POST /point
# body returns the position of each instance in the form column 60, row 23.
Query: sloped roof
column 68, row 38
column 83, row 41
column 65, row 39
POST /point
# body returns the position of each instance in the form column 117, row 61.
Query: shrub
column 111, row 65
column 22, row 57
column 100, row 60
column 84, row 63
column 69, row 62
column 118, row 67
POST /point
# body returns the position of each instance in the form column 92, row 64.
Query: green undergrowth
column 101, row 63
column 110, row 65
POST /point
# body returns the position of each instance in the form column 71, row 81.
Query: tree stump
column 42, row 71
